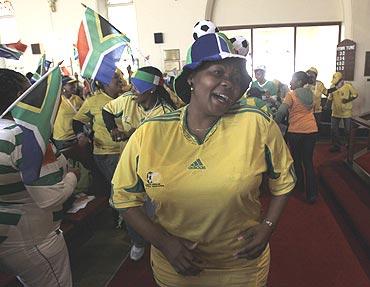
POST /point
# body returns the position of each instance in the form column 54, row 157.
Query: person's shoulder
column 348, row 85
column 127, row 97
column 244, row 106
column 127, row 94
column 173, row 116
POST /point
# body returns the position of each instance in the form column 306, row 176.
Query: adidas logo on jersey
column 197, row 165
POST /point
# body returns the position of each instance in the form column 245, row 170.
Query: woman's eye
column 217, row 72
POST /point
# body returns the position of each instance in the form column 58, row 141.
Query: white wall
column 360, row 33
column 251, row 12
column 56, row 32
column 175, row 18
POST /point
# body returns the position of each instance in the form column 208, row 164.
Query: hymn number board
column 346, row 51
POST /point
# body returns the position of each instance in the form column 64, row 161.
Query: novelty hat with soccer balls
column 207, row 48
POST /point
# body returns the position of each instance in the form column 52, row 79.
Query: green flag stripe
column 144, row 76
column 9, row 218
column 41, row 121
column 11, row 188
column 98, row 47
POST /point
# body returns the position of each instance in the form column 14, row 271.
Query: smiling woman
column 207, row 229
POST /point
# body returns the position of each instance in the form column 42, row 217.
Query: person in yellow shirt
column 318, row 89
column 208, row 229
column 147, row 99
column 63, row 135
column 105, row 151
column 126, row 87
column 341, row 106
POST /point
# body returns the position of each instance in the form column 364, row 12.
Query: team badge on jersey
column 153, row 179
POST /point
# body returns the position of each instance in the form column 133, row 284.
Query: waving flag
column 100, row 46
column 42, row 68
column 34, row 112
column 12, row 50
column 75, row 52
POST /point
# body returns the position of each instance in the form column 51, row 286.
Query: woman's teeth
column 222, row 97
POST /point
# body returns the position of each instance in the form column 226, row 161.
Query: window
column 295, row 47
column 274, row 48
column 8, row 30
column 9, row 33
column 122, row 15
column 317, row 46
column 115, row 2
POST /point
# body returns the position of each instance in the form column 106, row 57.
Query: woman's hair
column 160, row 91
column 11, row 84
column 302, row 77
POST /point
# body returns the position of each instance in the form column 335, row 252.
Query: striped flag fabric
column 13, row 50
column 75, row 52
column 42, row 68
column 100, row 46
column 34, row 112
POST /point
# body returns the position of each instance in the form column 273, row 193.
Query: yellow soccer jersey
column 318, row 89
column 91, row 110
column 132, row 114
column 63, row 121
column 256, row 102
column 205, row 192
column 340, row 109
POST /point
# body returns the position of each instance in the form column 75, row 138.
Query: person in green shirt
column 268, row 88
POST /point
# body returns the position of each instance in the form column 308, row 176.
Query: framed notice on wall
column 367, row 65
column 346, row 52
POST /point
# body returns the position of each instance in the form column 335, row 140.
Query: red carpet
column 308, row 249
column 364, row 162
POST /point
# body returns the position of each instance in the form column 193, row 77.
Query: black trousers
column 302, row 147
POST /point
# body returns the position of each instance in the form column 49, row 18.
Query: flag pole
column 26, row 92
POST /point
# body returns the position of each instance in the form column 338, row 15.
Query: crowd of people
column 181, row 160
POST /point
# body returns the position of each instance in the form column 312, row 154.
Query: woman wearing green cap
column 147, row 100
column 201, row 166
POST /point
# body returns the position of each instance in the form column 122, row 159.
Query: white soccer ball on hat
column 204, row 27
column 241, row 45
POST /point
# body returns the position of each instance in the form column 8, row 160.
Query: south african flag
column 100, row 46
column 34, row 112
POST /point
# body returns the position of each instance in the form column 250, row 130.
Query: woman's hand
column 76, row 171
column 179, row 252
column 117, row 135
column 256, row 239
